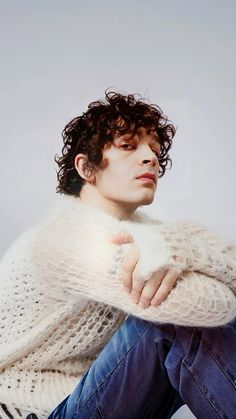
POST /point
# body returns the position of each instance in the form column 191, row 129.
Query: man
column 70, row 282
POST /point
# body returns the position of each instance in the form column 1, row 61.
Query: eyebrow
column 154, row 136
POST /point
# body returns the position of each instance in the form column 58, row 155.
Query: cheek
column 116, row 174
column 116, row 183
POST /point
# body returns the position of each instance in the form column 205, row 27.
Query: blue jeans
column 148, row 371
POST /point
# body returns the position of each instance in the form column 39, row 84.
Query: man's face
column 129, row 170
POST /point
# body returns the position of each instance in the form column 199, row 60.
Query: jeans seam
column 217, row 362
column 204, row 394
column 205, row 345
column 99, row 412
column 188, row 367
column 108, row 376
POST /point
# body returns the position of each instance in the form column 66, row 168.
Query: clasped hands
column 154, row 290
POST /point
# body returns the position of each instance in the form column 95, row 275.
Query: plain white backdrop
column 58, row 56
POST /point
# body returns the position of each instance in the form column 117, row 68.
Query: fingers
column 146, row 292
column 165, row 287
column 137, row 285
column 149, row 289
column 130, row 259
column 156, row 290
column 152, row 291
column 128, row 266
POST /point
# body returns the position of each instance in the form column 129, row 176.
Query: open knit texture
column 62, row 295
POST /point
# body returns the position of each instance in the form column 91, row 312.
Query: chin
column 147, row 200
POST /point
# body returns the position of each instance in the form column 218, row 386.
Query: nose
column 148, row 157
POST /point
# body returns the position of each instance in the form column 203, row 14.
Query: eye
column 127, row 146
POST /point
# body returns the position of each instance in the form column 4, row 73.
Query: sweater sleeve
column 203, row 250
column 81, row 262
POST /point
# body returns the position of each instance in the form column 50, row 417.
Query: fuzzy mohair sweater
column 62, row 295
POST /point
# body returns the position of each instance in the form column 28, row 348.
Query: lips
column 148, row 175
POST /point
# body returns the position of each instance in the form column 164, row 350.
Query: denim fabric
column 148, row 371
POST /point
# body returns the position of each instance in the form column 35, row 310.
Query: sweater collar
column 73, row 203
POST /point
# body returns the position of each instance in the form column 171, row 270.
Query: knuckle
column 164, row 289
column 145, row 300
column 135, row 293
column 159, row 298
column 148, row 292
column 137, row 289
column 163, row 295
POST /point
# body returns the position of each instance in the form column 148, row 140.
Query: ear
column 82, row 168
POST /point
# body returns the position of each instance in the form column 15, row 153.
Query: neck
column 119, row 210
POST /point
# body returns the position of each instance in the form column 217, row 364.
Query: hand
column 145, row 292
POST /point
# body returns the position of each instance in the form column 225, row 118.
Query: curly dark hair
column 89, row 133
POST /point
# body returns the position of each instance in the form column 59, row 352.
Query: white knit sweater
column 62, row 296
